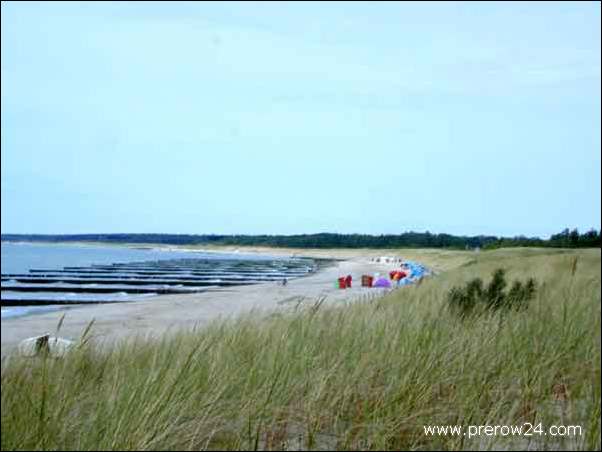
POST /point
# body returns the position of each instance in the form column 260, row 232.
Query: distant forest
column 565, row 239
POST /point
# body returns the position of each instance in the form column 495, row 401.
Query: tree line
column 565, row 239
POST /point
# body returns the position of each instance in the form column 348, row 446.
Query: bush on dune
column 473, row 295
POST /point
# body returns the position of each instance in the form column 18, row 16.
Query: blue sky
column 284, row 118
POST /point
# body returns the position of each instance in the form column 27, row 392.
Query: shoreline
column 164, row 313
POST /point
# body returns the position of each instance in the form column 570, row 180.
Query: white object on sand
column 386, row 259
column 55, row 346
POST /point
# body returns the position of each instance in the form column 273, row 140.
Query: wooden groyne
column 170, row 276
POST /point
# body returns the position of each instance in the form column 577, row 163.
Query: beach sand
column 158, row 315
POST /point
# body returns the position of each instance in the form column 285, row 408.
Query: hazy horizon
column 291, row 118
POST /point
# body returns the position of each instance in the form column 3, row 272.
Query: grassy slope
column 367, row 376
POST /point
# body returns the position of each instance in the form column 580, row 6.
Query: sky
column 282, row 118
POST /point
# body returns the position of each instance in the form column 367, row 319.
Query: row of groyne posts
column 115, row 282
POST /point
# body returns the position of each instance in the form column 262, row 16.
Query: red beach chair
column 348, row 281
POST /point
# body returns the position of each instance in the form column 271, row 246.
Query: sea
column 41, row 277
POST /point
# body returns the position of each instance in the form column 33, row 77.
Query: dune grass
column 367, row 375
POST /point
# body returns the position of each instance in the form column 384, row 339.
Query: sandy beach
column 161, row 314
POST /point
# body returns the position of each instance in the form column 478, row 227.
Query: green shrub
column 464, row 299
column 519, row 294
column 494, row 295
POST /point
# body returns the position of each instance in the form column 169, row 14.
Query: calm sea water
column 21, row 257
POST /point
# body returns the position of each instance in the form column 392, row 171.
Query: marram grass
column 368, row 375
